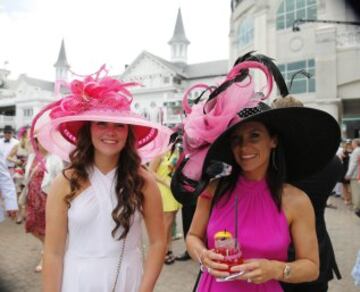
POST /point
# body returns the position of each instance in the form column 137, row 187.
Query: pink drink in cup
column 227, row 246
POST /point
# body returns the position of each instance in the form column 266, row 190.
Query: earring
column 273, row 159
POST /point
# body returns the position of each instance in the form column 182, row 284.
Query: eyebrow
column 249, row 130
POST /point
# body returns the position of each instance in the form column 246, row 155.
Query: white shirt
column 353, row 169
column 5, row 149
column 7, row 188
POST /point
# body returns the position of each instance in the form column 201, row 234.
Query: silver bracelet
column 202, row 266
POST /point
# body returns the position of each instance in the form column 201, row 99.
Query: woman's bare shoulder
column 148, row 176
column 291, row 189
column 295, row 199
column 60, row 186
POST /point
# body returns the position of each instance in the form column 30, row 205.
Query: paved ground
column 19, row 254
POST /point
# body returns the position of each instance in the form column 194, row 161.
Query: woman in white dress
column 95, row 208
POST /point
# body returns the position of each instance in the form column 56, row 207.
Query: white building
column 164, row 81
column 329, row 52
column 21, row 98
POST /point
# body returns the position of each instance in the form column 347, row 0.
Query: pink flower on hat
column 106, row 93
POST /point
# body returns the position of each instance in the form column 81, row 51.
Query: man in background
column 7, row 143
column 8, row 193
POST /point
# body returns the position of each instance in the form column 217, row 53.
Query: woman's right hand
column 209, row 261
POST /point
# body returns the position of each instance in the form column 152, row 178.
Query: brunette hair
column 275, row 176
column 129, row 183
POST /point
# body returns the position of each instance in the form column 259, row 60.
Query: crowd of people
column 31, row 181
column 89, row 172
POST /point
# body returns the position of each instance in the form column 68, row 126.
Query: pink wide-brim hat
column 58, row 136
column 95, row 98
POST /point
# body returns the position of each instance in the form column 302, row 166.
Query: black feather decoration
column 273, row 68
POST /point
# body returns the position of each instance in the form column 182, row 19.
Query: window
column 173, row 110
column 300, row 84
column 245, row 32
column 290, row 10
column 177, row 80
column 28, row 112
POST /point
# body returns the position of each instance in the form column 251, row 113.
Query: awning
column 350, row 119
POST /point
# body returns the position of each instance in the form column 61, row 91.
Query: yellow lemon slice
column 223, row 235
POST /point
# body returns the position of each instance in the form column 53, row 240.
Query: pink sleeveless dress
column 263, row 232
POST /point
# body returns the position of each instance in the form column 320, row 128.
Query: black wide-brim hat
column 310, row 138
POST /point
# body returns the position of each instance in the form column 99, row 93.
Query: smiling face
column 108, row 139
column 251, row 145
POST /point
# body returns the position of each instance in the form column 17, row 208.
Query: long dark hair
column 129, row 182
column 275, row 176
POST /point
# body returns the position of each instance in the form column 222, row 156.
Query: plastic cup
column 230, row 249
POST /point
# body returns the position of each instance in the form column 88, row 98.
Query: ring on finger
column 249, row 280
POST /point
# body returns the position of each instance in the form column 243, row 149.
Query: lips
column 247, row 156
column 109, row 141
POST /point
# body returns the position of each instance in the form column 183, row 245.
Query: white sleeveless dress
column 92, row 254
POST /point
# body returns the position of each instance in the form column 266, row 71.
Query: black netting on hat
column 247, row 112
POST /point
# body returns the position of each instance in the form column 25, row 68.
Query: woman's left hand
column 256, row 271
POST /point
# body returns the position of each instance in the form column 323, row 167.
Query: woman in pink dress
column 36, row 201
column 249, row 153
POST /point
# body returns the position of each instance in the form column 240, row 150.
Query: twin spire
column 179, row 31
column 179, row 42
column 178, row 50
column 62, row 61
column 62, row 66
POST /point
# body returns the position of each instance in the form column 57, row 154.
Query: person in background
column 187, row 214
column 353, row 175
column 7, row 143
column 38, row 181
column 8, row 192
column 344, row 155
column 318, row 188
column 162, row 167
column 18, row 155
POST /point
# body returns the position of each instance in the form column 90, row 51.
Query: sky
column 114, row 32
